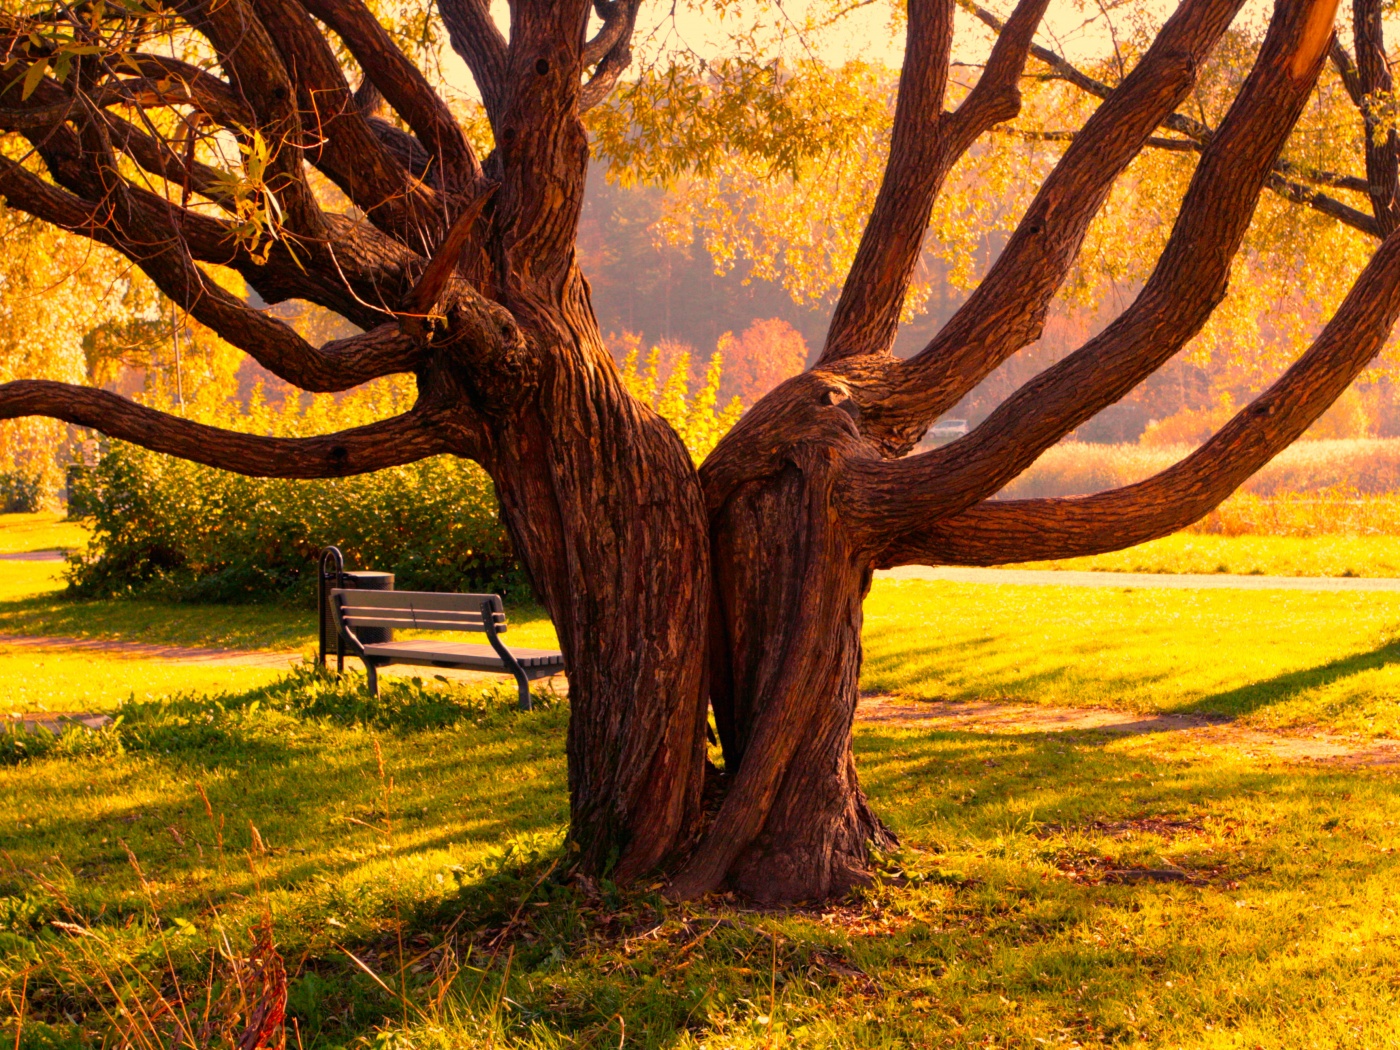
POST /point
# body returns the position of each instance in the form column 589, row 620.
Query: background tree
column 213, row 133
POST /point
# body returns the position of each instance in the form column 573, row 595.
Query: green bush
column 21, row 492
column 164, row 527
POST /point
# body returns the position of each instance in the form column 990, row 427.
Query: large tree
column 737, row 586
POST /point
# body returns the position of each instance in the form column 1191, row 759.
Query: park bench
column 429, row 611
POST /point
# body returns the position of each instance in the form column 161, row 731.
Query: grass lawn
column 407, row 853
column 429, row 850
column 1276, row 658
column 32, row 604
column 1248, row 556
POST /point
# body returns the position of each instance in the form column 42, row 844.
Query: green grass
column 432, row 847
column 32, row 604
column 1247, row 556
column 1275, row 658
column 45, row 531
column 422, row 834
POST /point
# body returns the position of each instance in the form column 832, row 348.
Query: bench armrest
column 344, row 632
column 522, row 680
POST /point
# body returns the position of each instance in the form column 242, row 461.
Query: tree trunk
column 785, row 673
column 785, row 655
column 605, row 510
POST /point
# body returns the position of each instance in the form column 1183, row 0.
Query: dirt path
column 1305, row 745
column 1178, row 581
column 143, row 651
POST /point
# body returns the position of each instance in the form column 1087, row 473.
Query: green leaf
column 32, row 78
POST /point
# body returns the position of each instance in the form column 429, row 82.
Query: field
column 404, row 859
column 1360, row 466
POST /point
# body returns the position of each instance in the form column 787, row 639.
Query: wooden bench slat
column 430, row 622
column 407, row 617
column 479, row 655
column 416, row 624
column 418, row 599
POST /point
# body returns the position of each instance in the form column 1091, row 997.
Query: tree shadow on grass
column 902, row 659
column 1247, row 699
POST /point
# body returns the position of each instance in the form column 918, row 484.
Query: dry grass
column 1314, row 488
column 1363, row 466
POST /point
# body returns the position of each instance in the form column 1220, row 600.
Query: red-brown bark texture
column 736, row 587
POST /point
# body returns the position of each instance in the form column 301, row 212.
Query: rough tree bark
column 462, row 272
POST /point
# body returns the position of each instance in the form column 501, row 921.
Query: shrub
column 166, row 527
column 21, row 492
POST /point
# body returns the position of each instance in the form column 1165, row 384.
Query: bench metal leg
column 524, row 684
column 373, row 675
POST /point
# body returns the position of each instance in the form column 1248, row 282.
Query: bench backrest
column 417, row 610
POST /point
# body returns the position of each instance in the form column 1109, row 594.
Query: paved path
column 1184, row 581
column 34, row 556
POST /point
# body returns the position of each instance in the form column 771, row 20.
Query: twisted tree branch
column 339, row 365
column 389, row 443
column 995, row 532
column 481, row 46
column 1187, row 284
column 405, row 88
column 924, row 146
column 1007, row 310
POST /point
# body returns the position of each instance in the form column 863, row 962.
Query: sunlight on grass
column 44, row 531
column 1247, row 555
column 1279, row 657
column 423, row 832
column 87, row 681
column 1005, row 918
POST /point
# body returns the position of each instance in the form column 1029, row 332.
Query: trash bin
column 371, row 581
column 333, row 575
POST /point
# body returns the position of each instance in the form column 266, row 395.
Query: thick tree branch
column 339, row 140
column 1026, row 530
column 1375, row 86
column 619, row 17
column 405, row 88
column 339, row 365
column 1346, row 69
column 867, row 313
column 389, row 443
column 1007, row 310
column 131, row 91
column 1289, row 175
column 257, row 75
column 924, row 146
column 1187, row 284
column 619, row 20
column 481, row 46
column 543, row 151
